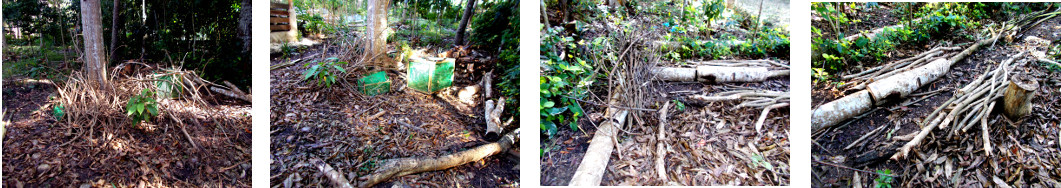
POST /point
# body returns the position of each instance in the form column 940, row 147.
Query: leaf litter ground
column 354, row 133
column 1026, row 152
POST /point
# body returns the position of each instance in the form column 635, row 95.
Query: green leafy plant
column 564, row 80
column 142, row 107
column 58, row 111
column 679, row 105
column 324, row 71
column 884, row 179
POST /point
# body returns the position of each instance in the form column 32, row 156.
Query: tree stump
column 1018, row 96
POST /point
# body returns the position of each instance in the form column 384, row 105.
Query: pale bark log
column 595, row 161
column 903, row 84
column 837, row 111
column 493, row 118
column 404, row 166
column 717, row 74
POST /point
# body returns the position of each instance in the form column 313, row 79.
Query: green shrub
column 498, row 28
column 142, row 107
column 313, row 24
column 324, row 71
column 884, row 179
column 563, row 80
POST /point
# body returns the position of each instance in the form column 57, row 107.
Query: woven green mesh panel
column 430, row 76
column 374, row 84
column 170, row 88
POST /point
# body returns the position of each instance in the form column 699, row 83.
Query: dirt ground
column 42, row 152
column 1027, row 148
column 354, row 133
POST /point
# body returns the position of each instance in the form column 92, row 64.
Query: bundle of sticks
column 861, row 79
column 766, row 100
column 970, row 104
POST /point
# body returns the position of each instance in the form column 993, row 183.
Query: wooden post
column 1018, row 96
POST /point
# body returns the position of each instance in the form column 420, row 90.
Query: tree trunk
column 245, row 24
column 468, row 10
column 114, row 32
column 377, row 24
column 1018, row 96
column 95, row 65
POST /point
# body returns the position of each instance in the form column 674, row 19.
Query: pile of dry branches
column 868, row 76
column 88, row 105
column 766, row 100
column 973, row 102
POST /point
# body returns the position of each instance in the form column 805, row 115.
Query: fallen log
column 595, row 161
column 879, row 91
column 493, row 119
column 716, row 74
column 404, row 166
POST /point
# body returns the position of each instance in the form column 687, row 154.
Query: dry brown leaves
column 354, row 133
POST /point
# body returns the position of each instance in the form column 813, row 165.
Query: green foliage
column 679, row 105
column 713, row 9
column 425, row 33
column 313, row 24
column 563, row 80
column 324, row 71
column 498, row 28
column 830, row 12
column 142, row 107
column 58, row 111
column 769, row 42
column 819, row 74
column 287, row 49
column 884, row 179
column 833, row 55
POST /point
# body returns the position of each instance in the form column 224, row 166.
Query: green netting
column 374, row 84
column 169, row 86
column 430, row 76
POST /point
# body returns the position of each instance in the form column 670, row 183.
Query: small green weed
column 142, row 107
column 884, row 179
column 58, row 111
column 324, row 71
column 679, row 105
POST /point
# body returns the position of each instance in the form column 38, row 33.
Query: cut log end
column 1018, row 96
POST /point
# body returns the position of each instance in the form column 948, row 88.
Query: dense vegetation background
column 200, row 35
